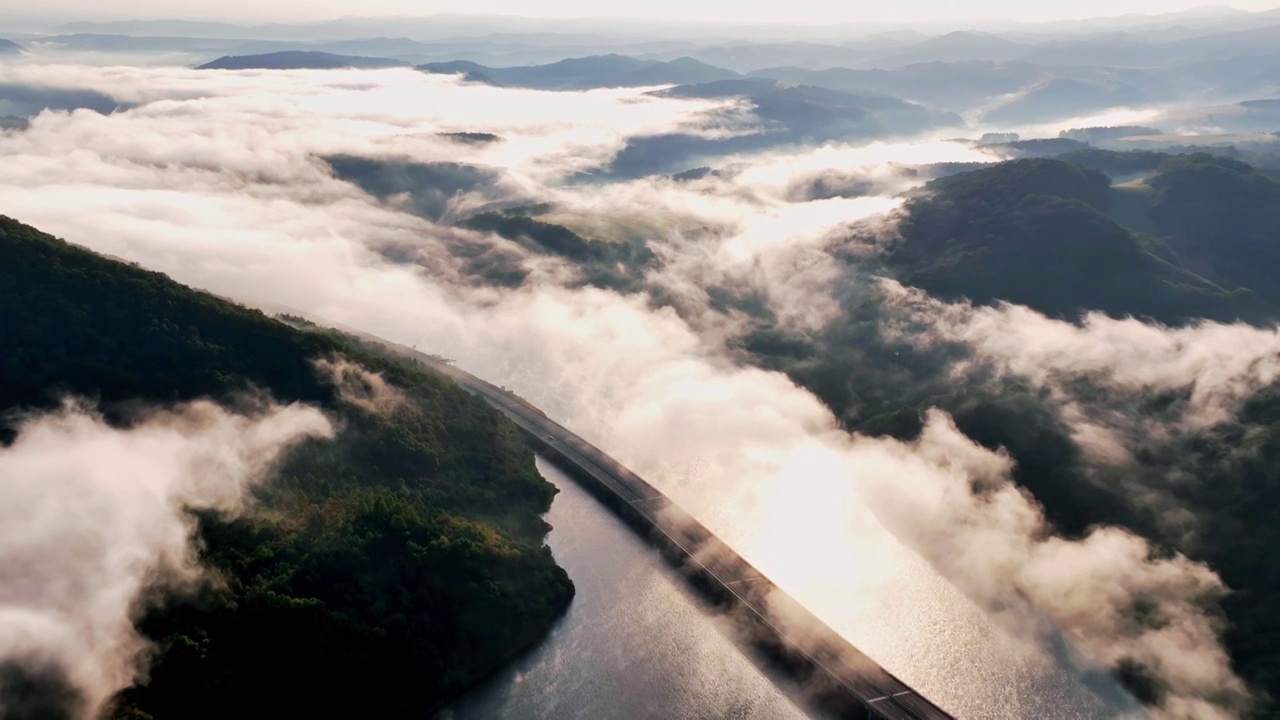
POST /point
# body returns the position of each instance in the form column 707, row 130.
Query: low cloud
column 94, row 523
column 356, row 385
column 1214, row 367
column 1109, row 594
column 214, row 178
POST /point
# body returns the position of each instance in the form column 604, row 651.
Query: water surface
column 635, row 642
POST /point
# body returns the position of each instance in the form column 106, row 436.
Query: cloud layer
column 1215, row 366
column 94, row 519
column 924, row 554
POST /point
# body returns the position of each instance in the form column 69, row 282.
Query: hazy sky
column 795, row 11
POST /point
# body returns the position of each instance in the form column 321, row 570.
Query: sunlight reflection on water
column 635, row 643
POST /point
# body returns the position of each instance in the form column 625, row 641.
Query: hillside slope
column 390, row 568
column 1223, row 216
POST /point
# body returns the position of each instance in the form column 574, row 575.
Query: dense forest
column 397, row 564
column 1051, row 235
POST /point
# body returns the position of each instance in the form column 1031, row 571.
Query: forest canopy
column 383, row 573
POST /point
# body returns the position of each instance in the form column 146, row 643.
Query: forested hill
column 1223, row 217
column 1188, row 243
column 403, row 561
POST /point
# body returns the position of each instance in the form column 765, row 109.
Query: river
column 635, row 643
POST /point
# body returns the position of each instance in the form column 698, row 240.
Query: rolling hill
column 1040, row 233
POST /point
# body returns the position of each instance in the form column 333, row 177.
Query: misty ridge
column 966, row 339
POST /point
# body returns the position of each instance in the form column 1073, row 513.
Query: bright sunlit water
column 635, row 643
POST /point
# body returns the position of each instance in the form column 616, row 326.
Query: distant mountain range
column 1024, row 75
column 1137, row 41
column 440, row 26
column 590, row 72
column 295, row 59
column 8, row 47
column 959, row 46
column 744, row 57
